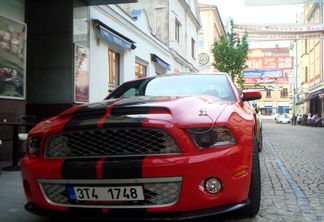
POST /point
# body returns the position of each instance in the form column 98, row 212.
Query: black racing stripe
column 79, row 168
column 124, row 212
column 85, row 123
column 86, row 117
column 123, row 121
column 122, row 167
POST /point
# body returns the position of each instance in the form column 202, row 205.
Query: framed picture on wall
column 12, row 58
column 81, row 74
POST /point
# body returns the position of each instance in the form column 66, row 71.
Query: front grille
column 110, row 142
column 156, row 194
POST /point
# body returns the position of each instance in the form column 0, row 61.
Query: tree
column 230, row 55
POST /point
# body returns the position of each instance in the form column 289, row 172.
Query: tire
column 260, row 141
column 255, row 186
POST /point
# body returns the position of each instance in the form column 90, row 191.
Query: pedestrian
column 299, row 119
column 293, row 120
column 309, row 118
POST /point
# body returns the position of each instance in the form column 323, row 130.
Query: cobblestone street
column 292, row 173
column 292, row 170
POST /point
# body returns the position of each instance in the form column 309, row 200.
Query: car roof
column 183, row 74
column 178, row 74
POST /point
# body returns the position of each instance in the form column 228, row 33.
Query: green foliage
column 230, row 55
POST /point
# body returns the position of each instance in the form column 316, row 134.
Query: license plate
column 116, row 193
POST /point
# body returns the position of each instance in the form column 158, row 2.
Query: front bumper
column 193, row 169
column 134, row 215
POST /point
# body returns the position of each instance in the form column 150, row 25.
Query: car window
column 130, row 92
column 178, row 85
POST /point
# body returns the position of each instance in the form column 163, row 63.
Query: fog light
column 213, row 185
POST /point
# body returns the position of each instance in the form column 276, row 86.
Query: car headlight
column 212, row 137
column 57, row 146
column 33, row 145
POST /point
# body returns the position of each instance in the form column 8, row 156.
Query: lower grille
column 159, row 192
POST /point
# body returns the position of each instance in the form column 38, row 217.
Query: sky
column 242, row 14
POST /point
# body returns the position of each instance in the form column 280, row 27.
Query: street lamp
column 296, row 74
column 293, row 77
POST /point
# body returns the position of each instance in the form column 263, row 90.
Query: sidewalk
column 12, row 199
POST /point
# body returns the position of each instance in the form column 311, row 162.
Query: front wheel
column 255, row 186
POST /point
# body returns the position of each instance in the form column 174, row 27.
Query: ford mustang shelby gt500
column 169, row 147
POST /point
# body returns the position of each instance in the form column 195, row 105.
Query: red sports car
column 168, row 147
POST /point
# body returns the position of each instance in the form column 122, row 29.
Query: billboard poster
column 12, row 58
column 81, row 74
column 281, row 36
column 279, row 28
column 270, row 62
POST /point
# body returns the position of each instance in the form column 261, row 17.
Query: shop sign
column 12, row 58
column 262, row 73
column 274, row 88
column 283, row 104
column 268, row 104
column 81, row 74
column 283, row 80
column 253, row 87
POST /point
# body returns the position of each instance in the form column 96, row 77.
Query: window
column 306, row 73
column 284, row 93
column 177, row 31
column 201, row 41
column 268, row 94
column 193, row 45
column 215, row 32
column 140, row 70
column 113, row 61
column 305, row 46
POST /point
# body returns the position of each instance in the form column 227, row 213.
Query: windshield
column 186, row 85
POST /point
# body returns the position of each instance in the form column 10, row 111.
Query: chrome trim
column 111, row 181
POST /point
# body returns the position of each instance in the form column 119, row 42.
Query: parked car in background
column 275, row 116
column 283, row 118
column 170, row 147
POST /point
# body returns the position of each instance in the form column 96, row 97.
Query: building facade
column 49, row 63
column 176, row 24
column 311, row 95
column 211, row 31
column 268, row 71
column 122, row 48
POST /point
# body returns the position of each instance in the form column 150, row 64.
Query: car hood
column 184, row 112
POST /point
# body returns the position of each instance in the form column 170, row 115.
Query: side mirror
column 248, row 95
